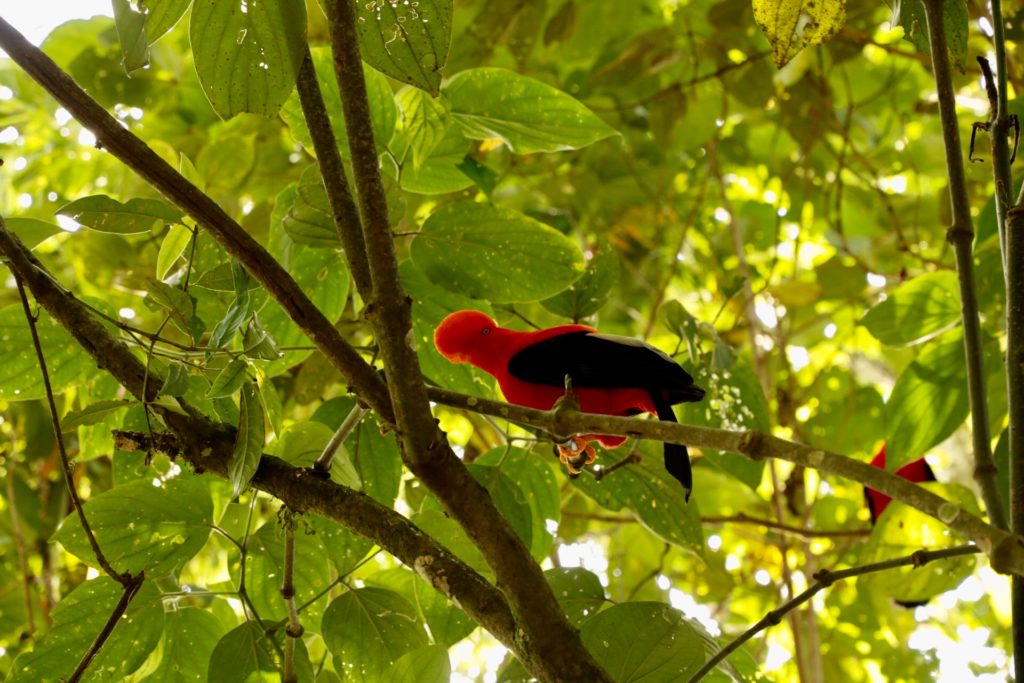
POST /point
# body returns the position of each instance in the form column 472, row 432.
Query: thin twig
column 131, row 587
column 351, row 421
column 772, row 525
column 961, row 236
column 294, row 629
column 69, row 475
column 824, row 579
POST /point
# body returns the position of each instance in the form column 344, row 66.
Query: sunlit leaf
column 915, row 310
column 408, row 42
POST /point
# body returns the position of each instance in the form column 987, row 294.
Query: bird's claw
column 576, row 454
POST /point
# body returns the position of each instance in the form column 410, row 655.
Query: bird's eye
column 486, row 331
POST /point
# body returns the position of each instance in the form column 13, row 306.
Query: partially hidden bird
column 609, row 374
column 917, row 471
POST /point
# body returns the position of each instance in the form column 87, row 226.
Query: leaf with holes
column 792, row 25
column 407, row 41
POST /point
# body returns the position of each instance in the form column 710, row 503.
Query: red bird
column 917, row 471
column 610, row 375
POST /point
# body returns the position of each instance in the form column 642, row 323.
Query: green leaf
column 162, row 15
column 93, row 413
column 322, row 274
column 428, row 664
column 77, row 618
column 928, row 402
column 644, row 641
column 247, row 54
column 792, row 25
column 446, row 531
column 586, row 296
column 911, row 16
column 902, row 530
column 508, row 497
column 245, row 457
column 537, row 482
column 226, row 161
column 229, row 379
column 494, row 253
column 20, row 378
column 189, row 638
column 438, row 173
column 243, row 651
column 383, row 110
column 173, row 245
column 140, row 526
column 525, row 114
column 310, row 219
column 408, row 42
column 424, row 121
column 430, row 306
column 32, row 231
column 368, row 629
column 105, row 214
column 257, row 341
column 578, row 591
column 238, row 311
column 131, row 34
column 654, row 495
column 916, row 310
column 448, row 624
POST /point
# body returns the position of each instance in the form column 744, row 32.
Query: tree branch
column 961, row 236
column 1005, row 550
column 554, row 646
column 135, row 154
column 332, row 170
column 824, row 579
column 207, row 447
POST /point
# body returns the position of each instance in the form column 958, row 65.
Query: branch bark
column 207, row 447
column 961, row 236
column 1005, row 550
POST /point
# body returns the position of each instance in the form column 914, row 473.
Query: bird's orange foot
column 576, row 454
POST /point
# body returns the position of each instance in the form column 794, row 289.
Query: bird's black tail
column 677, row 458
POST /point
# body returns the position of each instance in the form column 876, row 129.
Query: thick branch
column 961, row 236
column 135, row 154
column 1005, row 550
column 555, row 646
column 208, row 446
column 343, row 205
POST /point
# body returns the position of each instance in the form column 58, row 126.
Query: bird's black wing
column 603, row 360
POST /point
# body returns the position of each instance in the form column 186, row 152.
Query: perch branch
column 1005, row 550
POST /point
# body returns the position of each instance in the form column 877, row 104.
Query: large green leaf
column 406, row 40
column 424, row 121
column 20, row 378
column 538, row 484
column 928, row 402
column 428, row 664
column 448, row 624
column 430, row 306
column 310, row 219
column 369, row 629
column 78, row 618
column 322, row 274
column 586, row 296
column 105, row 214
column 649, row 491
column 915, row 310
column 190, row 635
column 247, row 54
column 439, row 172
column 140, row 526
column 578, row 591
column 525, row 114
column 241, row 652
column 383, row 110
column 644, row 641
column 494, row 253
column 162, row 15
column 32, row 231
